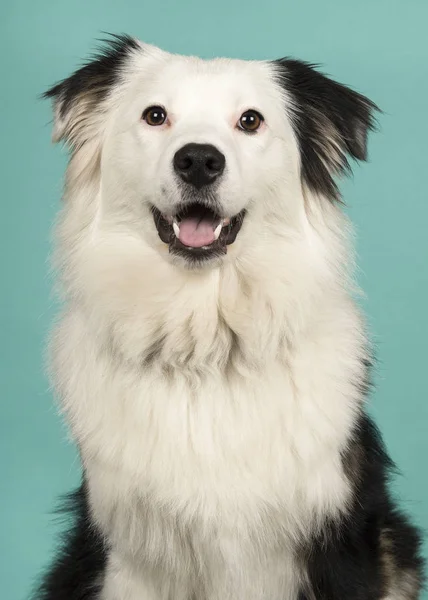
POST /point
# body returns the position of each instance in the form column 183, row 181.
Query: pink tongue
column 195, row 232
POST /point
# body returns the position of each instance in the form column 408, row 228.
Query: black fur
column 98, row 75
column 322, row 108
column 77, row 572
column 348, row 558
column 93, row 81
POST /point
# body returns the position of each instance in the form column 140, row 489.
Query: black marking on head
column 85, row 89
column 331, row 123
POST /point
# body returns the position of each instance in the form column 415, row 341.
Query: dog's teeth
column 176, row 228
column 217, row 230
column 226, row 222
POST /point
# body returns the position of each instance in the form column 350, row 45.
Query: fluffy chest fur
column 233, row 451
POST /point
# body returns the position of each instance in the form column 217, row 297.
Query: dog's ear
column 330, row 120
column 78, row 100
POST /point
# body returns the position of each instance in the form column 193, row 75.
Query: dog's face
column 200, row 157
column 198, row 145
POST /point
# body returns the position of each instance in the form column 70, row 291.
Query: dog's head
column 203, row 158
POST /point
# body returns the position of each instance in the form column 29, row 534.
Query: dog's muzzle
column 196, row 229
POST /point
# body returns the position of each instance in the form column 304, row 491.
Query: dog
column 211, row 359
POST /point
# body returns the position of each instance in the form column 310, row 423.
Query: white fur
column 208, row 463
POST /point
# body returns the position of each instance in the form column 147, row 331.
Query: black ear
column 77, row 100
column 331, row 122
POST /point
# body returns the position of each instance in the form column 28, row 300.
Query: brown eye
column 250, row 121
column 154, row 115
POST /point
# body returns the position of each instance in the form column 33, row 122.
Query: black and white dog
column 210, row 359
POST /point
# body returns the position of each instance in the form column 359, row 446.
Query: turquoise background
column 378, row 46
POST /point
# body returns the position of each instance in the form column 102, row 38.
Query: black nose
column 199, row 164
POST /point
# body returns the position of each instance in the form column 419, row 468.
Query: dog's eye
column 154, row 115
column 250, row 121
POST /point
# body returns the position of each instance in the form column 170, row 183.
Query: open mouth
column 196, row 231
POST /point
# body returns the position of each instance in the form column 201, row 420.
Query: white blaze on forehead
column 202, row 88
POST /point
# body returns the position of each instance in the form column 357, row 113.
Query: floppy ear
column 331, row 123
column 78, row 101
